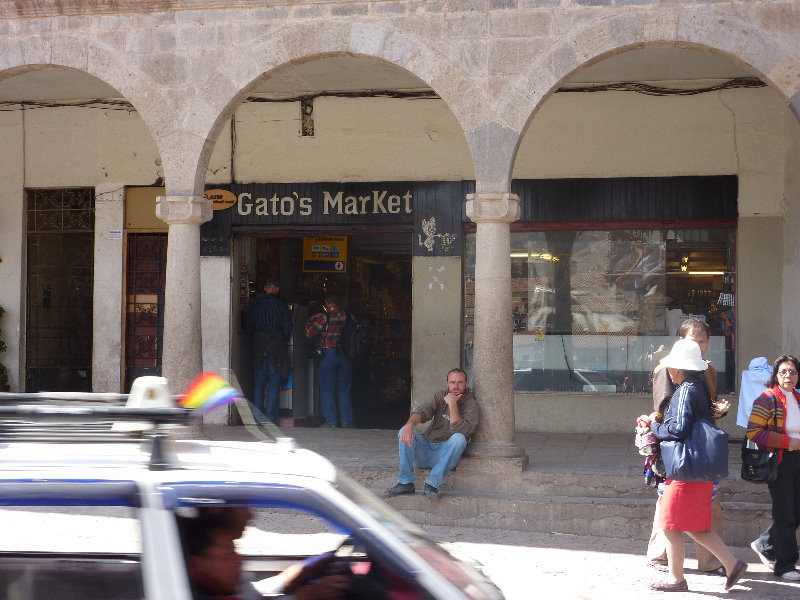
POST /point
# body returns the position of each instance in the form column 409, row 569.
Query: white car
column 88, row 512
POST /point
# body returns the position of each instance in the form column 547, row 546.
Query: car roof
column 264, row 458
column 82, row 441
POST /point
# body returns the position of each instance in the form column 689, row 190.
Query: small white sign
column 116, row 234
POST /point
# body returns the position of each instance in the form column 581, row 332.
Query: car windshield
column 466, row 577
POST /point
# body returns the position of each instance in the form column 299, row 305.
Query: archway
column 72, row 144
column 668, row 166
column 354, row 148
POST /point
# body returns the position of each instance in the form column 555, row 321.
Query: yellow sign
column 325, row 254
column 222, row 199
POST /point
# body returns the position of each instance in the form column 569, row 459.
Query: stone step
column 532, row 482
column 565, row 502
column 630, row 518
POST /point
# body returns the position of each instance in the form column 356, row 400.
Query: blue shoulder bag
column 701, row 456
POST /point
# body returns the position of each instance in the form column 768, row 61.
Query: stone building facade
column 495, row 75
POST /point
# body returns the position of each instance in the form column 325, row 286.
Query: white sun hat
column 685, row 354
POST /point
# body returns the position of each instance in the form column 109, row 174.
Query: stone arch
column 79, row 54
column 17, row 56
column 297, row 43
column 699, row 28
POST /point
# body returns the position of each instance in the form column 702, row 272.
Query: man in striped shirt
column 335, row 369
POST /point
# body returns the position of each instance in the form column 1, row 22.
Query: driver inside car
column 215, row 568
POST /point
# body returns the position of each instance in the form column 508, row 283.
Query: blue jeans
column 266, row 377
column 335, row 381
column 439, row 457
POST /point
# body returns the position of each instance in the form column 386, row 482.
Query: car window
column 278, row 530
column 68, row 541
column 289, row 532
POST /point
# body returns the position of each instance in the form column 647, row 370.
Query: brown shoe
column 666, row 586
column 736, row 574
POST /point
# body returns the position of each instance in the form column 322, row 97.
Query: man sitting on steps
column 454, row 414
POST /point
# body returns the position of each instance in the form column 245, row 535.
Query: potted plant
column 3, row 371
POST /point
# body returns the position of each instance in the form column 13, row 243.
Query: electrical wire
column 652, row 90
column 626, row 86
column 120, row 104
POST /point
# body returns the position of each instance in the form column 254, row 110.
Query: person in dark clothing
column 774, row 425
column 270, row 323
column 215, row 567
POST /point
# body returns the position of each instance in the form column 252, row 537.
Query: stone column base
column 495, row 457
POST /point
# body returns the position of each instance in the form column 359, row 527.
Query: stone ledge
column 606, row 517
column 487, row 464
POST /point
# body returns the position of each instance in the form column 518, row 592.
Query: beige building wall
column 61, row 146
column 12, row 244
column 758, row 291
column 437, row 324
column 625, row 134
column 368, row 139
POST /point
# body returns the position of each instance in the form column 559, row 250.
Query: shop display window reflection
column 592, row 309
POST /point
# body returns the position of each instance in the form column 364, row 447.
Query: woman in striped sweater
column 775, row 425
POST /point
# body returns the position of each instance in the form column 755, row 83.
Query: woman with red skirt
column 686, row 506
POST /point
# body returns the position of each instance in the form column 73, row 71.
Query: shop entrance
column 376, row 287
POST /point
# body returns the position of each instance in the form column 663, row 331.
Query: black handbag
column 758, row 466
column 701, row 456
column 315, row 347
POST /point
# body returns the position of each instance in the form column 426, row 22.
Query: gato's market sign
column 378, row 202
column 313, row 203
column 430, row 210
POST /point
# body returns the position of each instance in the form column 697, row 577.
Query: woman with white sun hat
column 686, row 505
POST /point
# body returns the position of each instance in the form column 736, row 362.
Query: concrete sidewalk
column 352, row 448
column 611, row 455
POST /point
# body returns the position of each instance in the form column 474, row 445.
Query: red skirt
column 686, row 506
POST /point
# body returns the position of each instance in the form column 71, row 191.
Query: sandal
column 668, row 586
column 736, row 574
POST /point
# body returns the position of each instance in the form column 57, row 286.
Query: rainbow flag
column 207, row 392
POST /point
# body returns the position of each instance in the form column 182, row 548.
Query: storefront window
column 593, row 311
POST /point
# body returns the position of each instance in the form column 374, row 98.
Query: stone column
column 493, row 366
column 182, row 357
column 109, row 255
